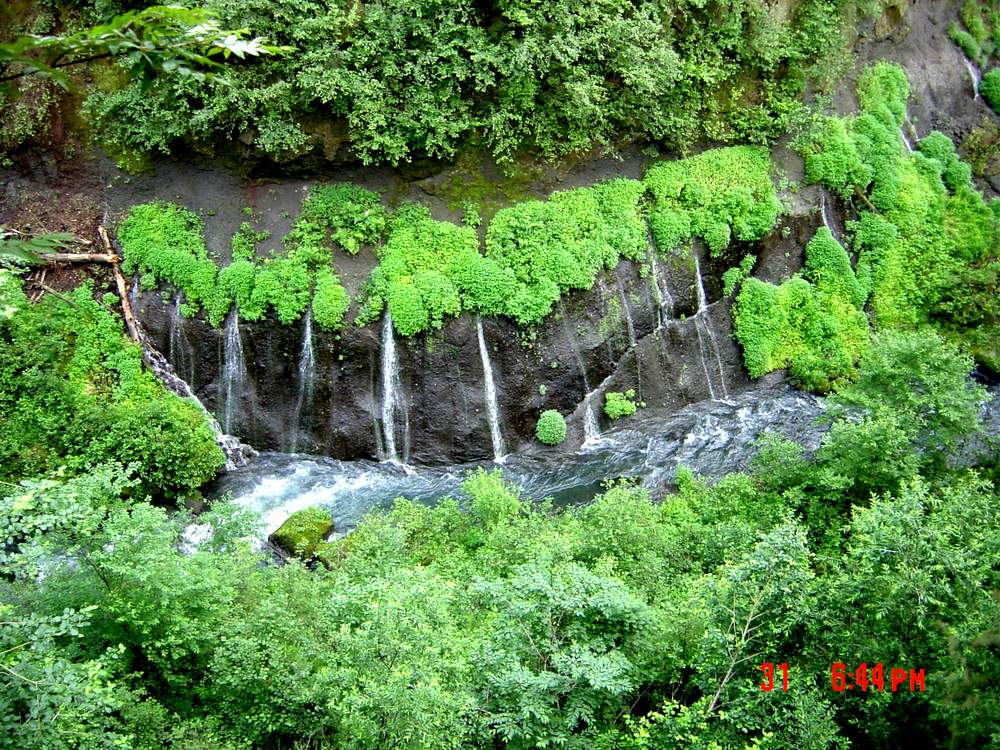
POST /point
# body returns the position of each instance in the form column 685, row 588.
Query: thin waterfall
column 627, row 311
column 591, row 429
column 180, row 353
column 236, row 452
column 391, row 386
column 974, row 75
column 702, row 321
column 492, row 409
column 307, row 379
column 906, row 141
column 664, row 300
column 824, row 206
column 234, row 371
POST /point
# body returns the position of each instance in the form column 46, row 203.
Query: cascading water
column 234, row 371
column 306, row 382
column 591, row 429
column 490, row 392
column 237, row 453
column 661, row 293
column 627, row 312
column 906, row 141
column 180, row 354
column 703, row 327
column 974, row 75
column 824, row 206
column 391, row 386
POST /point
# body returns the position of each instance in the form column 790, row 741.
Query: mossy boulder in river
column 304, row 530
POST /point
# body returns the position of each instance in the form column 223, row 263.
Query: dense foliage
column 410, row 80
column 164, row 243
column 73, row 394
column 718, row 195
column 925, row 241
column 551, row 427
column 493, row 621
column 618, row 404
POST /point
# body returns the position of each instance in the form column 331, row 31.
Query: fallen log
column 78, row 257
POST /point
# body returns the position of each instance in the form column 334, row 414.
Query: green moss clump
column 618, row 405
column 546, row 248
column 330, row 301
column 817, row 330
column 303, row 531
column 717, row 195
column 551, row 427
column 349, row 215
column 925, row 239
column 167, row 241
column 989, row 88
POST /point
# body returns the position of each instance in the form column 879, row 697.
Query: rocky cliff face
column 638, row 328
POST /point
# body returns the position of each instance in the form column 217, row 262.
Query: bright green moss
column 330, row 301
column 989, row 88
column 349, row 215
column 418, row 274
column 618, row 405
column 303, row 531
column 551, row 427
column 550, row 247
column 829, row 268
column 921, row 222
column 166, row 241
column 716, row 195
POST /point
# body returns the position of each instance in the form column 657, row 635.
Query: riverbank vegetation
column 490, row 620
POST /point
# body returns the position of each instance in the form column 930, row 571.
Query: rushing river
column 710, row 437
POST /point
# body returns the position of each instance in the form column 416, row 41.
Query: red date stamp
column 843, row 679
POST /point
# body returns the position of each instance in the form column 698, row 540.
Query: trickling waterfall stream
column 306, row 382
column 591, row 429
column 703, row 326
column 236, row 452
column 906, row 141
column 234, row 371
column 490, row 392
column 180, row 353
column 390, row 395
column 974, row 75
column 824, row 206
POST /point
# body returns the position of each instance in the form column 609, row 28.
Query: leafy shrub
column 330, row 301
column 551, row 427
column 966, row 42
column 543, row 78
column 74, row 394
column 925, row 221
column 549, row 247
column 415, row 276
column 617, row 405
column 166, row 240
column 733, row 277
column 718, row 194
column 352, row 215
column 989, row 88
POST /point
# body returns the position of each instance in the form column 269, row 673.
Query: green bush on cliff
column 415, row 277
column 550, row 247
column 618, row 405
column 551, row 427
column 922, row 224
column 989, row 89
column 716, row 195
column 817, row 330
column 167, row 241
column 330, row 301
column 351, row 215
column 74, row 394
